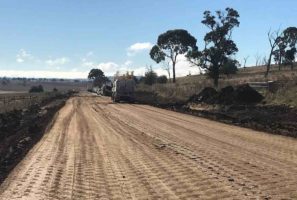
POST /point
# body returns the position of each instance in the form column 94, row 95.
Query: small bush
column 150, row 77
column 230, row 67
column 162, row 79
column 36, row 89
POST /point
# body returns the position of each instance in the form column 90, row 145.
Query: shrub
column 35, row 89
column 150, row 77
column 162, row 79
column 230, row 67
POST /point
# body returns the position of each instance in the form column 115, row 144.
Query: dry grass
column 286, row 94
column 20, row 86
column 18, row 101
column 187, row 86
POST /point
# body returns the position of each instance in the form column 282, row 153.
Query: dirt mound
column 243, row 94
column 207, row 95
column 247, row 95
column 226, row 95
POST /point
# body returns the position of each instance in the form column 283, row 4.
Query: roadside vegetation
column 23, row 85
column 218, row 65
column 225, row 90
column 23, row 121
column 36, row 89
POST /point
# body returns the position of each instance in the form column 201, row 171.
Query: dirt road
column 99, row 150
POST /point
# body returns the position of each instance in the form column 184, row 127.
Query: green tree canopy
column 171, row 44
column 98, row 77
column 219, row 45
column 290, row 36
column 285, row 47
column 162, row 79
column 230, row 67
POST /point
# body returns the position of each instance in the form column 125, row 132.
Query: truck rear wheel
column 113, row 97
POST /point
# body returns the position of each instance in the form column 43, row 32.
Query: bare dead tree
column 166, row 67
column 264, row 60
column 245, row 60
column 257, row 59
column 273, row 38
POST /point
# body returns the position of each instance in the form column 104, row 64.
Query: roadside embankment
column 241, row 106
column 21, row 129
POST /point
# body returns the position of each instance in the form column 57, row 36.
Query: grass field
column 18, row 101
column 48, row 85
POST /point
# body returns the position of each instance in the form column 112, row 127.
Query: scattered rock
column 160, row 146
column 231, row 179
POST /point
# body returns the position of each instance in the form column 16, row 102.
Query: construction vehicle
column 105, row 89
column 123, row 90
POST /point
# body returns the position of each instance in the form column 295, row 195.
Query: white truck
column 123, row 90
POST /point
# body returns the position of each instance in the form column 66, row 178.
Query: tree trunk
column 216, row 82
column 216, row 76
column 173, row 70
column 279, row 63
column 268, row 64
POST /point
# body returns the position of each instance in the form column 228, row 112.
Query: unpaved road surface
column 99, row 150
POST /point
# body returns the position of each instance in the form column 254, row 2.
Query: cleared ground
column 99, row 150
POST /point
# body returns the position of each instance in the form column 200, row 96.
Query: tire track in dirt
column 99, row 150
column 164, row 168
column 264, row 176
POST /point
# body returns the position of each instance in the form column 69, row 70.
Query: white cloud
column 23, row 56
column 72, row 74
column 88, row 64
column 138, row 47
column 57, row 61
column 85, row 62
column 109, row 68
column 139, row 71
column 183, row 67
column 160, row 71
column 128, row 63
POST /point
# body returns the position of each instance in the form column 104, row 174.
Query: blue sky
column 67, row 38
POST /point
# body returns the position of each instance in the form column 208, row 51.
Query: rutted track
column 100, row 150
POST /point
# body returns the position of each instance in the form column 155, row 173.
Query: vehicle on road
column 123, row 90
column 105, row 89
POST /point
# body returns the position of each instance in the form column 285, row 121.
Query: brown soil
column 99, row 150
column 275, row 119
column 21, row 129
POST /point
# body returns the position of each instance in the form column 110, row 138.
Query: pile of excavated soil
column 276, row 119
column 242, row 94
column 246, row 94
column 207, row 95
